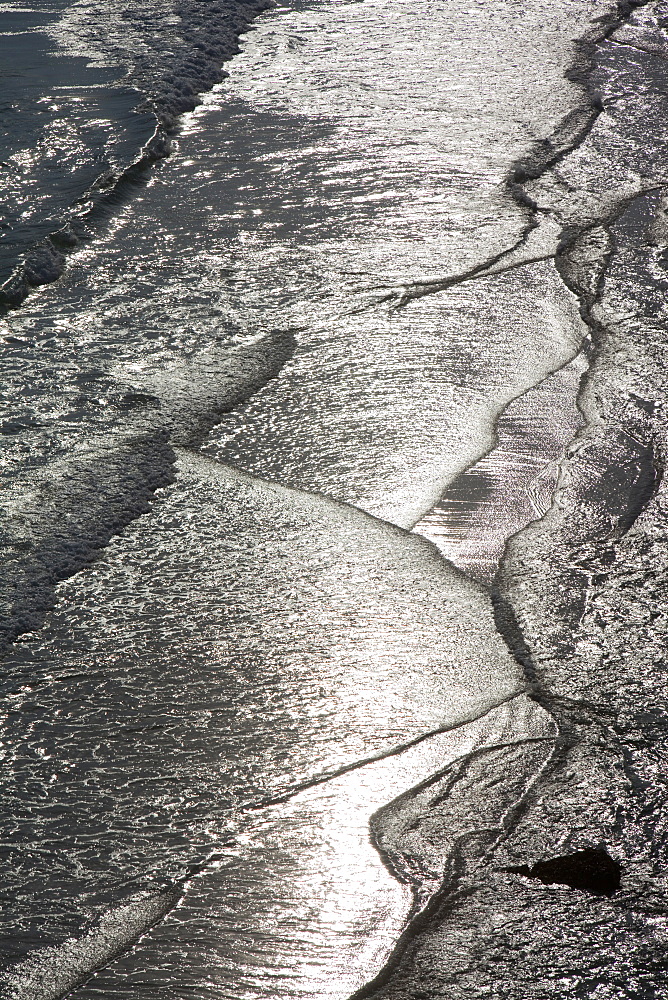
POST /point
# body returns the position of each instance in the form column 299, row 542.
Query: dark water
column 87, row 89
column 64, row 124
column 247, row 703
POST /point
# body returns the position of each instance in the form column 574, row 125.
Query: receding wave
column 52, row 973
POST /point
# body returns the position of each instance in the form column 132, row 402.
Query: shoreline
column 448, row 899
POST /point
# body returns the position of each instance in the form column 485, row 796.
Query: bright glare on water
column 287, row 276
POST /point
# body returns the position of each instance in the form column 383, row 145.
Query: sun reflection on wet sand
column 514, row 483
column 302, row 905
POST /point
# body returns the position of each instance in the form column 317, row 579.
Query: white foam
column 52, row 972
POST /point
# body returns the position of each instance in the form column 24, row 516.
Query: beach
column 334, row 525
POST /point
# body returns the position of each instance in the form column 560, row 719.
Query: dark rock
column 591, row 870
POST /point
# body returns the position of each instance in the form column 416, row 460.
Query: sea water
column 323, row 300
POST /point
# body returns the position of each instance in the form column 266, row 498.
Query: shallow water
column 169, row 688
column 304, row 905
column 513, row 484
column 291, row 275
column 380, row 406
